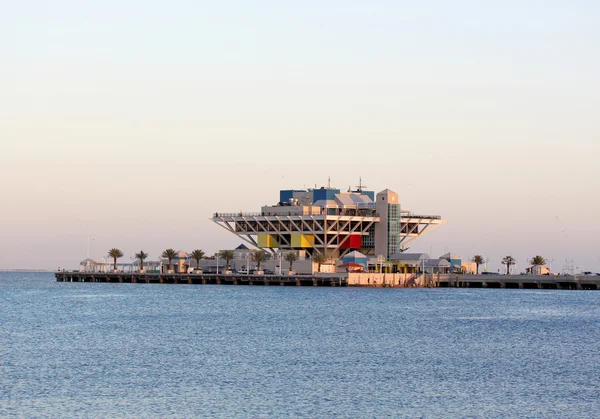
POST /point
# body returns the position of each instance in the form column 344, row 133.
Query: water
column 137, row 350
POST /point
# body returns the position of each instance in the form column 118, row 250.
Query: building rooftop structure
column 332, row 222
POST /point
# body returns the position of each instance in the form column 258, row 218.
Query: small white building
column 538, row 270
column 179, row 264
column 90, row 265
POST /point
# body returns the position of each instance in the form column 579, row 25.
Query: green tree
column 197, row 255
column 169, row 254
column 259, row 257
column 319, row 258
column 227, row 255
column 115, row 254
column 478, row 260
column 537, row 261
column 291, row 257
column 142, row 256
column 508, row 261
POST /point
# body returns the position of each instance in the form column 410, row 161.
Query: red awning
column 352, row 266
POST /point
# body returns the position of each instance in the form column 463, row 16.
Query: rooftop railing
column 238, row 214
column 427, row 217
column 340, row 212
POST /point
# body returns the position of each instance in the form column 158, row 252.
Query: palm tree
column 538, row 261
column 258, row 256
column 141, row 256
column 478, row 260
column 291, row 257
column 319, row 258
column 227, row 255
column 508, row 260
column 197, row 255
column 115, row 254
column 169, row 254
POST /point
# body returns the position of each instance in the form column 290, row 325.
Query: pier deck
column 563, row 282
column 335, row 280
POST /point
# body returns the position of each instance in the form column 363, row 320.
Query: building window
column 393, row 229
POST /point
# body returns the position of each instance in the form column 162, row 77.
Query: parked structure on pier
column 331, row 222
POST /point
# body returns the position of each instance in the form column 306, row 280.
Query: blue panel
column 325, row 194
column 286, row 195
column 455, row 262
column 361, row 261
column 320, row 194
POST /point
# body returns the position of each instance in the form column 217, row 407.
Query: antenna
column 360, row 186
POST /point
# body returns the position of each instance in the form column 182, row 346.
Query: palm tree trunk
column 115, row 264
column 477, row 269
column 141, row 265
column 291, row 263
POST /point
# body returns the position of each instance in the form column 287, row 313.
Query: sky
column 131, row 122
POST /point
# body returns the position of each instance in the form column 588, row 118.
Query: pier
column 560, row 282
column 367, row 280
column 331, row 280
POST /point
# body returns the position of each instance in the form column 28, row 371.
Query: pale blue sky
column 134, row 121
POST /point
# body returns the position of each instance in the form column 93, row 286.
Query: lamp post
column 380, row 259
column 280, row 254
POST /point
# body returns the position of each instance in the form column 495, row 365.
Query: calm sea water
column 133, row 350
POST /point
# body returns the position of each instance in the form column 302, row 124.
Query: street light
column 380, row 260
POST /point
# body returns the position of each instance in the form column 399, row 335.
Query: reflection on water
column 142, row 350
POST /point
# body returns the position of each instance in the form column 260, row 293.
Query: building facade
column 331, row 222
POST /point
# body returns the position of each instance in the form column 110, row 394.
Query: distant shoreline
column 26, row 270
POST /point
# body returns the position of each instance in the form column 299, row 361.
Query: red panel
column 354, row 241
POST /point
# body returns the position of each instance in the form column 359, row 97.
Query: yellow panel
column 263, row 240
column 273, row 243
column 302, row 240
column 268, row 241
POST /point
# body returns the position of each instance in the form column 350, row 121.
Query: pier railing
column 331, row 280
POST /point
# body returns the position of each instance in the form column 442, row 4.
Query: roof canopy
column 450, row 256
column 354, row 255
